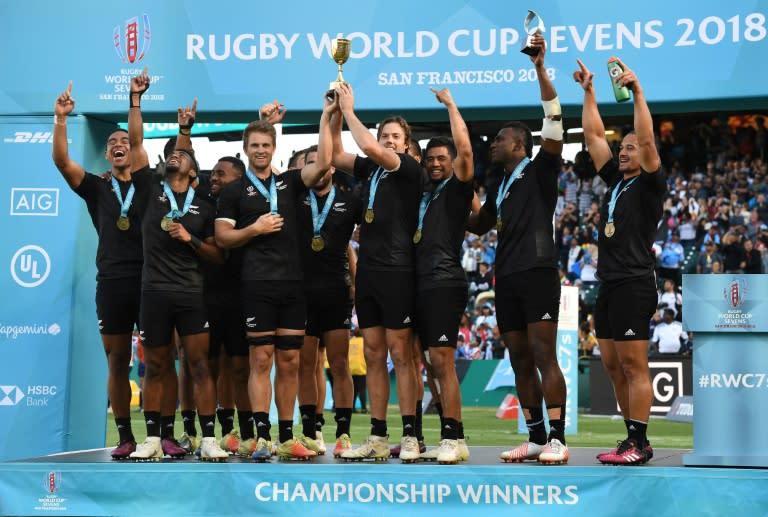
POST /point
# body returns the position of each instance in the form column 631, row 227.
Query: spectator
column 587, row 340
column 734, row 259
column 669, row 336
column 672, row 256
column 753, row 260
column 670, row 297
column 707, row 258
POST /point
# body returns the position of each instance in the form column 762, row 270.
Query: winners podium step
column 90, row 483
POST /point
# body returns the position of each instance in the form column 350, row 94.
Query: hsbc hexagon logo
column 10, row 395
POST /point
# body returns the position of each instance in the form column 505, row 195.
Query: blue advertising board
column 236, row 55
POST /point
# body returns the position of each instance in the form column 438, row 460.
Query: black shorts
column 385, row 299
column 226, row 329
column 438, row 314
column 117, row 305
column 328, row 309
column 623, row 310
column 163, row 311
column 268, row 306
column 527, row 297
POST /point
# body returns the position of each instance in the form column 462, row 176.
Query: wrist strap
column 195, row 242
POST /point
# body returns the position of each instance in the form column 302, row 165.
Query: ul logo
column 30, row 266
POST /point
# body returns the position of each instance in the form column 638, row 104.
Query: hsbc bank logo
column 126, row 39
column 35, row 201
column 10, row 395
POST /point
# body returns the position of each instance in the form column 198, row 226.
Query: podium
column 728, row 315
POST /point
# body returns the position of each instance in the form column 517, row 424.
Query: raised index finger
column 69, row 88
column 582, row 66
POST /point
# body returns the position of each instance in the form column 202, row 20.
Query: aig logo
column 35, row 201
column 30, row 266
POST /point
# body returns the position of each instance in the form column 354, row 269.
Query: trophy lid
column 532, row 15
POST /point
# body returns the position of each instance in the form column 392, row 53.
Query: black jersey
column 328, row 267
column 119, row 252
column 527, row 237
column 274, row 256
column 386, row 243
column 169, row 264
column 221, row 282
column 438, row 253
column 629, row 252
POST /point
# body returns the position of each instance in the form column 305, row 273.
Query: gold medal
column 610, row 229
column 417, row 237
column 317, row 243
column 369, row 215
column 165, row 224
column 498, row 224
column 123, row 223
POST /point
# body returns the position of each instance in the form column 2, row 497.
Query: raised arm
column 649, row 156
column 71, row 170
column 342, row 160
column 594, row 130
column 139, row 158
column 186, row 118
column 463, row 165
column 367, row 143
column 552, row 127
column 313, row 172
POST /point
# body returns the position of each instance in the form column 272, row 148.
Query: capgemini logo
column 127, row 46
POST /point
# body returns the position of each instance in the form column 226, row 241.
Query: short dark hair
column 237, row 163
column 443, row 141
column 525, row 133
column 259, row 126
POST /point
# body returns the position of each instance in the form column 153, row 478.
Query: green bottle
column 614, row 71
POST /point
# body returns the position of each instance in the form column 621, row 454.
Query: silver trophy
column 530, row 31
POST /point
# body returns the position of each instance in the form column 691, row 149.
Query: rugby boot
column 373, row 448
column 211, row 451
column 150, row 450
column 554, row 453
column 123, row 450
column 528, row 451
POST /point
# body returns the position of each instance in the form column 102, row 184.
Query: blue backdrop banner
column 36, row 282
column 235, row 55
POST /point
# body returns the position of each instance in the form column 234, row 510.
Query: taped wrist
column 552, row 124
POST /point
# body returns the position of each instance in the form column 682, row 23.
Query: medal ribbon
column 617, row 192
column 318, row 220
column 175, row 213
column 125, row 205
column 374, row 186
column 426, row 199
column 504, row 187
column 271, row 196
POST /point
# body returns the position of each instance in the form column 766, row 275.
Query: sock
column 343, row 419
column 637, row 432
column 419, row 414
column 409, row 425
column 450, row 429
column 124, row 429
column 245, row 419
column 285, row 430
column 439, row 409
column 152, row 419
column 207, row 425
column 226, row 419
column 307, row 412
column 167, row 426
column 261, row 420
column 188, row 416
column 537, row 433
column 319, row 421
column 461, row 431
column 378, row 427
column 557, row 425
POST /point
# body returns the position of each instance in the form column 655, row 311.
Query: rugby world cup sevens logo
column 128, row 49
column 735, row 292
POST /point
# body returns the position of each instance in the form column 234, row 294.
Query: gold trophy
column 340, row 51
column 530, row 31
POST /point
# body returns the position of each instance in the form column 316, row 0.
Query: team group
column 259, row 265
